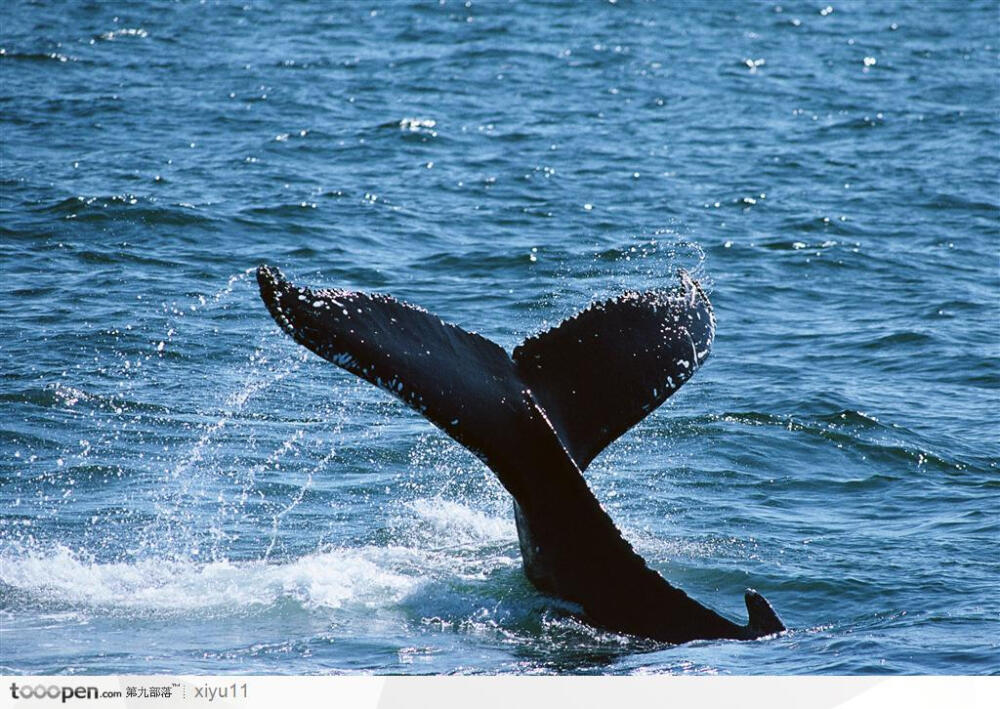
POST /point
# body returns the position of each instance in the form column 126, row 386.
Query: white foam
column 440, row 533
column 326, row 579
column 453, row 522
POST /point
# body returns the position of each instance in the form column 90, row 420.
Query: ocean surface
column 184, row 489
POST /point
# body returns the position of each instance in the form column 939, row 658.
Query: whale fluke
column 537, row 419
column 615, row 362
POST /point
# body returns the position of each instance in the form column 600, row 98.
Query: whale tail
column 595, row 375
column 537, row 419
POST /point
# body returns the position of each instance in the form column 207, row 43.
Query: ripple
column 126, row 206
column 854, row 430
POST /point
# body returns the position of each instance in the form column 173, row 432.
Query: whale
column 537, row 417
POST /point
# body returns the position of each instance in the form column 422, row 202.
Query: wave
column 125, row 206
column 856, row 430
column 64, row 396
column 57, row 577
column 58, row 57
column 63, row 577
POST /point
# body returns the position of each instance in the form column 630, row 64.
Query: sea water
column 184, row 489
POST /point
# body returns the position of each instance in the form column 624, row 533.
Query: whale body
column 537, row 418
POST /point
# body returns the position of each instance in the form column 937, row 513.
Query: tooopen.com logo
column 54, row 691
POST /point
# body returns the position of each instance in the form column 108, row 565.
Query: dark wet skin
column 537, row 418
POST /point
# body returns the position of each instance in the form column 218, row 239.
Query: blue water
column 185, row 489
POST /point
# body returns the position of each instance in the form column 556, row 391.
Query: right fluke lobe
column 763, row 619
column 600, row 372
